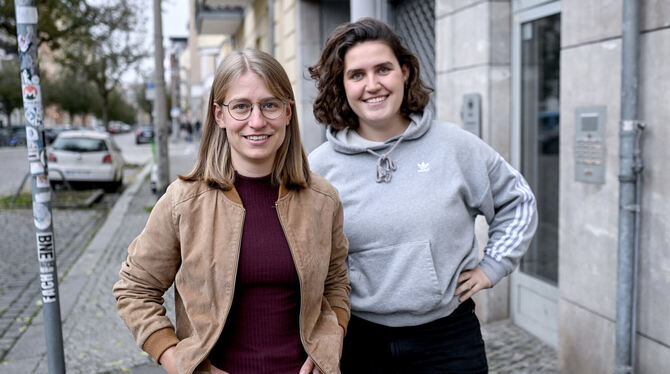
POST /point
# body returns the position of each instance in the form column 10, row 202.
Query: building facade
column 541, row 82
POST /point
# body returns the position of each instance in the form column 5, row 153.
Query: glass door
column 536, row 100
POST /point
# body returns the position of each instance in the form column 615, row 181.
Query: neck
column 252, row 170
column 385, row 131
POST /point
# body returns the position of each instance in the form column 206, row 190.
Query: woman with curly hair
column 411, row 188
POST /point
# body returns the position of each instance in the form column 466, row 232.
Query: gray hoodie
column 409, row 213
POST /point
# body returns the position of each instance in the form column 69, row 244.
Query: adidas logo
column 423, row 167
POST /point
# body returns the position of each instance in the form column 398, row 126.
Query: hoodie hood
column 348, row 141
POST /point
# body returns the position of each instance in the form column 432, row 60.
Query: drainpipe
column 271, row 26
column 630, row 187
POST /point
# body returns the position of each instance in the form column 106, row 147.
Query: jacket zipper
column 218, row 334
column 302, row 340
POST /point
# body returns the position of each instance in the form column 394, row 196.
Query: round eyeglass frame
column 283, row 106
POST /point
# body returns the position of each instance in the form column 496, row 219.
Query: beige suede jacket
column 192, row 239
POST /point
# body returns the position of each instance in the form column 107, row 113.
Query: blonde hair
column 214, row 165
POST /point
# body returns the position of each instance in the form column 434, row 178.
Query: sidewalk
column 94, row 337
column 97, row 341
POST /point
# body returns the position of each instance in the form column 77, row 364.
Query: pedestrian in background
column 251, row 240
column 411, row 189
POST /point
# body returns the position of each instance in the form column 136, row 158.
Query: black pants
column 452, row 344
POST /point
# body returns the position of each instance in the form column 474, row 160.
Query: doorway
column 536, row 99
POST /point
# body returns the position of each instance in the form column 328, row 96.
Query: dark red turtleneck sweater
column 261, row 334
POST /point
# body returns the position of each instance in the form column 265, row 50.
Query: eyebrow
column 356, row 70
column 249, row 100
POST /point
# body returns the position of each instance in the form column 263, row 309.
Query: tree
column 10, row 88
column 108, row 51
column 58, row 22
column 120, row 109
column 72, row 94
column 145, row 105
column 141, row 101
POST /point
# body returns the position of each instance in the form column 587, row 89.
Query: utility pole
column 174, row 93
column 26, row 30
column 177, row 46
column 161, row 114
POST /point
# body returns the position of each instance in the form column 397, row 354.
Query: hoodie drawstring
column 384, row 163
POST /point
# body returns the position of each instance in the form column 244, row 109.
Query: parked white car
column 86, row 156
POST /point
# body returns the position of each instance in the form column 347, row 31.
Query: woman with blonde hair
column 250, row 239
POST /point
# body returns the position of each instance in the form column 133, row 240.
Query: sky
column 175, row 23
column 175, row 18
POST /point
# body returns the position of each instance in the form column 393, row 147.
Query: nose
column 256, row 119
column 372, row 83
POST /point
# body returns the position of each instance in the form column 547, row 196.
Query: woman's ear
column 405, row 73
column 289, row 113
column 219, row 115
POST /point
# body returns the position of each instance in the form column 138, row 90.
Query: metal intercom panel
column 590, row 144
column 471, row 110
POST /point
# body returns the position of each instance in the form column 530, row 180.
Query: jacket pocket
column 397, row 278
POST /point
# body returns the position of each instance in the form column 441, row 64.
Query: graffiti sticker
column 32, row 134
column 24, row 43
column 34, row 115
column 26, row 14
column 27, row 77
column 30, row 93
column 43, row 197
column 33, row 151
column 42, row 181
column 36, row 168
column 42, row 216
column 46, row 255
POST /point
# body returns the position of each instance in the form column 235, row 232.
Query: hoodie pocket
column 397, row 278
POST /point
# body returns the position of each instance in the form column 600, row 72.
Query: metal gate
column 414, row 20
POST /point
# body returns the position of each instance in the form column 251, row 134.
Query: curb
column 95, row 196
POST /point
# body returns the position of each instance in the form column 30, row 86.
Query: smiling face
column 374, row 83
column 254, row 141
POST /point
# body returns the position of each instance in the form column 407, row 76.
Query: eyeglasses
column 241, row 109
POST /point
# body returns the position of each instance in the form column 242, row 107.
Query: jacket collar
column 233, row 196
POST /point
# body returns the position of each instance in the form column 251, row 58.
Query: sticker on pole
column 32, row 134
column 36, row 168
column 42, row 216
column 26, row 14
column 42, row 181
column 43, row 197
column 33, row 114
column 25, row 41
column 31, row 93
column 46, row 256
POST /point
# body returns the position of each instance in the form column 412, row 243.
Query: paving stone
column 510, row 349
column 18, row 270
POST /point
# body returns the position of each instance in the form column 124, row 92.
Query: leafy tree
column 71, row 94
column 145, row 105
column 10, row 88
column 108, row 51
column 120, row 109
column 141, row 101
column 58, row 21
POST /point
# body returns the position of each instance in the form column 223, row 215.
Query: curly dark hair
column 331, row 106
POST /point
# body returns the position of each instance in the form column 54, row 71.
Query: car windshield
column 79, row 145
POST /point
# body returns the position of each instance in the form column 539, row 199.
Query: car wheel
column 113, row 186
